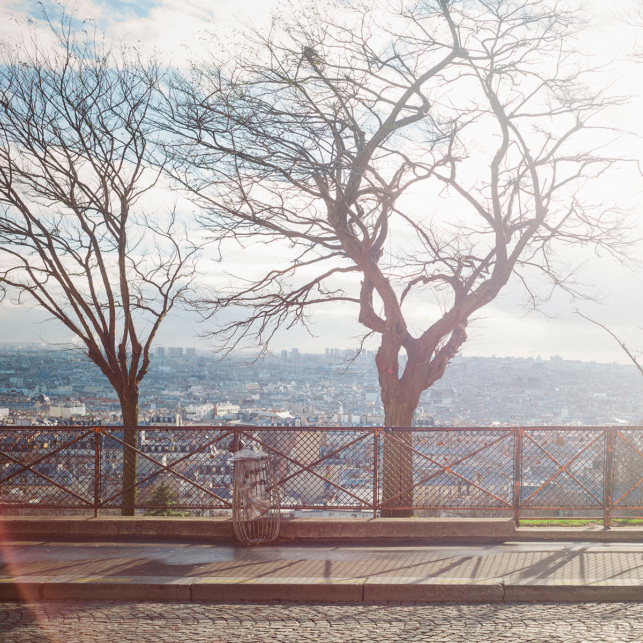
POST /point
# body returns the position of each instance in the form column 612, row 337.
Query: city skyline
column 507, row 334
column 250, row 355
column 298, row 389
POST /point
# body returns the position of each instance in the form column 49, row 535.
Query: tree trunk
column 397, row 461
column 129, row 408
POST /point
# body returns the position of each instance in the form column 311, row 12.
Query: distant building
column 346, row 419
column 160, row 351
column 273, row 417
column 175, row 351
column 190, row 352
column 225, row 408
column 166, row 420
column 372, row 420
column 424, row 421
column 371, row 394
column 21, row 421
column 86, row 421
column 65, row 411
column 196, row 412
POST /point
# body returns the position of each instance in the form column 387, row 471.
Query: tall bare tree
column 432, row 153
column 76, row 235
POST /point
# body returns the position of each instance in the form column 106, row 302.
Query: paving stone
column 82, row 622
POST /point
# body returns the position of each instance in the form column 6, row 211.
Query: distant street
column 54, row 622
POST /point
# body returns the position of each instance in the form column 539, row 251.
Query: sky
column 506, row 327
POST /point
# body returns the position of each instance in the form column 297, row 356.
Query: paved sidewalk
column 331, row 572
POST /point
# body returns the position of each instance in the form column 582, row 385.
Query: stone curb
column 572, row 593
column 171, row 589
column 292, row 529
column 433, row 590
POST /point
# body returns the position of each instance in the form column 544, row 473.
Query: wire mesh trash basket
column 256, row 507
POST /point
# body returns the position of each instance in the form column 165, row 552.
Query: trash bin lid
column 248, row 454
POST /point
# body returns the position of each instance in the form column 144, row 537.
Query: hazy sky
column 505, row 327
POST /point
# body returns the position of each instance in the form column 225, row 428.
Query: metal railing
column 589, row 472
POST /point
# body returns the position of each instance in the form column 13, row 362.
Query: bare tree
column 76, row 236
column 432, row 153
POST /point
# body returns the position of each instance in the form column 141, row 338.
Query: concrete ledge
column 22, row 589
column 278, row 589
column 349, row 528
column 161, row 589
column 433, row 591
column 117, row 589
column 293, row 529
column 63, row 527
column 572, row 592
column 213, row 529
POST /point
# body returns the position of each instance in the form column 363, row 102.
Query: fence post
column 610, row 437
column 517, row 473
column 97, row 454
column 376, row 449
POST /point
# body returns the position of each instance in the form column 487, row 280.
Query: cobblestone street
column 55, row 622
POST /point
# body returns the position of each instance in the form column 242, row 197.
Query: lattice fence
column 524, row 472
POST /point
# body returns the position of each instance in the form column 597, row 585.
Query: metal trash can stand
column 256, row 507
